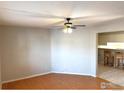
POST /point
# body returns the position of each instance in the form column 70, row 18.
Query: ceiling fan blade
column 60, row 22
column 84, row 17
column 33, row 14
column 73, row 27
column 56, row 27
column 80, row 25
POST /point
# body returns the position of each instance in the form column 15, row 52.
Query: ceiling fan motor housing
column 68, row 24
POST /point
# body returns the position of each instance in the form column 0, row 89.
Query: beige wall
column 25, row 52
column 103, row 38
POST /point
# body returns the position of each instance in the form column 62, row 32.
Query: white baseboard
column 94, row 75
column 71, row 73
column 31, row 76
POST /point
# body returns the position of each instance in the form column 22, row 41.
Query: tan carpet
column 111, row 74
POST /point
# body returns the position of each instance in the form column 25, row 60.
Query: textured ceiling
column 52, row 13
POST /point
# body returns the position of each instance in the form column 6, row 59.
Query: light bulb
column 69, row 30
column 65, row 30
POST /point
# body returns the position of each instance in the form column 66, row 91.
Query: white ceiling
column 91, row 12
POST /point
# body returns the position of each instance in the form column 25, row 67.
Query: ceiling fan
column 67, row 25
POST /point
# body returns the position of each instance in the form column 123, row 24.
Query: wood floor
column 59, row 81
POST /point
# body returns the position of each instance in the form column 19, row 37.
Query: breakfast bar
column 112, row 56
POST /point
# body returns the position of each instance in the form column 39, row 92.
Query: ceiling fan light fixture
column 67, row 27
column 68, row 24
column 67, row 30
